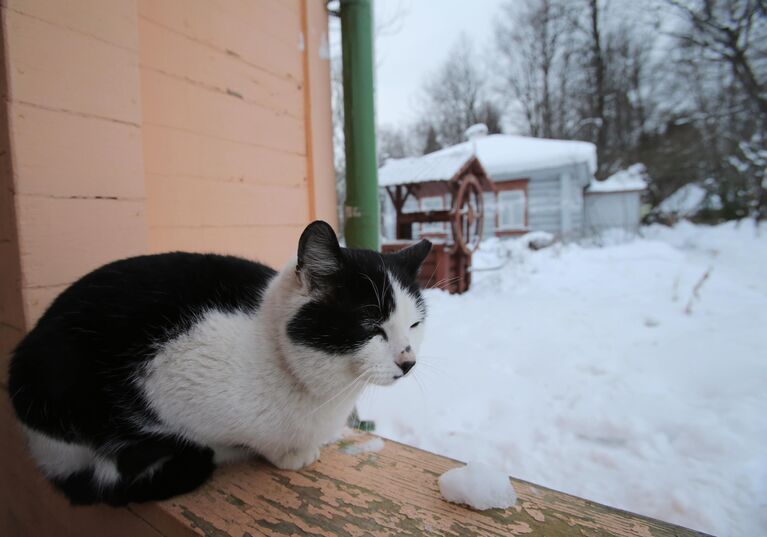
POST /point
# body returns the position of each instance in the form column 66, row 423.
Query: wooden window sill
column 391, row 492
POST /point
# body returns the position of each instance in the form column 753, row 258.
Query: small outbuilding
column 615, row 203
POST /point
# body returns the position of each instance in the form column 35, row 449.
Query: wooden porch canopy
column 459, row 174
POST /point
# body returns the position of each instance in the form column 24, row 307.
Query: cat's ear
column 412, row 257
column 319, row 254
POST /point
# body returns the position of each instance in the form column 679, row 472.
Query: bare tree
column 457, row 96
column 530, row 40
column 394, row 142
column 598, row 68
column 723, row 44
column 733, row 32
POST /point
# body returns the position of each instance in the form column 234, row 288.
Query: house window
column 432, row 203
column 511, row 209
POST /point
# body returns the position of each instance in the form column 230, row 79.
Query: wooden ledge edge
column 393, row 491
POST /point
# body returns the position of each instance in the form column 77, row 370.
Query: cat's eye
column 380, row 332
column 415, row 324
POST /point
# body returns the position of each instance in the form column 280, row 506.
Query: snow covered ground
column 596, row 371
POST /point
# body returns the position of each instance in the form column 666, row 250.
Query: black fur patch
column 72, row 377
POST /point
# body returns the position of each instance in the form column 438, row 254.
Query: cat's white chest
column 220, row 384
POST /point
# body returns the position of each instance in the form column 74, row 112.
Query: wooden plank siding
column 73, row 171
column 131, row 126
column 228, row 118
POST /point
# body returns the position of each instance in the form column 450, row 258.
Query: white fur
column 236, row 379
column 57, row 458
column 105, row 472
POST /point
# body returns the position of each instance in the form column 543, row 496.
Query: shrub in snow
column 537, row 240
column 479, row 486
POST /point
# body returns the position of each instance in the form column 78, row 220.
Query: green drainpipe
column 361, row 209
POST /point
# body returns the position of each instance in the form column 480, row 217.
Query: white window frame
column 515, row 202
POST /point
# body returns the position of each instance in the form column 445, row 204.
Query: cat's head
column 363, row 313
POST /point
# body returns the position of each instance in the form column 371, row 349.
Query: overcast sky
column 413, row 46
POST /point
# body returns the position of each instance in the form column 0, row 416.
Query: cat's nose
column 406, row 359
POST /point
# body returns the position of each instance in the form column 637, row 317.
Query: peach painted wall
column 134, row 126
column 230, row 118
column 73, row 172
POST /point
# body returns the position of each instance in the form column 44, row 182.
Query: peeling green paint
column 343, row 444
column 384, row 497
column 370, row 460
column 234, row 500
column 208, row 529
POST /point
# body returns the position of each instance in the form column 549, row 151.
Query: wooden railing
column 390, row 492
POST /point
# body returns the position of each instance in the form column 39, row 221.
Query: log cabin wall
column 135, row 126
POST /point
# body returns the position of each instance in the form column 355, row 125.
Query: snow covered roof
column 630, row 179
column 502, row 155
column 437, row 166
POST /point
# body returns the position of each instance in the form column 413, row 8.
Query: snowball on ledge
column 479, row 486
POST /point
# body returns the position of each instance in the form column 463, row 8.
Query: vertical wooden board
column 172, row 152
column 317, row 57
column 30, row 508
column 113, row 21
column 7, row 212
column 61, row 154
column 260, row 34
column 173, row 54
column 174, row 103
column 62, row 239
column 9, row 338
column 53, row 67
column 10, row 296
column 13, row 323
column 190, row 201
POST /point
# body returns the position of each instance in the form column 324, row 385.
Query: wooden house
column 539, row 183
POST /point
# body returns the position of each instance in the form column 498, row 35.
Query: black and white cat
column 146, row 373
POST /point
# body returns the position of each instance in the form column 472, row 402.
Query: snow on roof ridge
column 626, row 180
column 501, row 155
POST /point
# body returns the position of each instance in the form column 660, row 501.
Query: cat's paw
column 296, row 459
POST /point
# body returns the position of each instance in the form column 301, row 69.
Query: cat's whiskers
column 347, row 388
column 375, row 290
column 383, row 276
column 431, row 367
column 421, row 387
column 445, row 282
column 364, row 395
column 433, row 272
